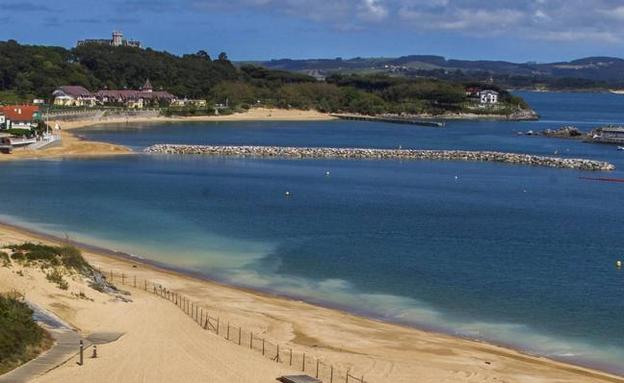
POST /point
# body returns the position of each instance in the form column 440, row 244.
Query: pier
column 400, row 154
column 393, row 120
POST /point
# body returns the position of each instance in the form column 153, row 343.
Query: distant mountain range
column 598, row 72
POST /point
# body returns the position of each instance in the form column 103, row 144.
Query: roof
column 134, row 94
column 147, row 85
column 74, row 91
column 19, row 112
column 489, row 91
column 298, row 379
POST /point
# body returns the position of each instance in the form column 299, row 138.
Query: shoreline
column 73, row 146
column 99, row 257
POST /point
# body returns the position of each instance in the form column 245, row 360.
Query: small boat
column 620, row 148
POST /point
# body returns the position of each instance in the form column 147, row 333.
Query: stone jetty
column 398, row 154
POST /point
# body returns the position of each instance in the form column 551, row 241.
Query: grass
column 20, row 338
column 50, row 256
column 4, row 259
column 57, row 277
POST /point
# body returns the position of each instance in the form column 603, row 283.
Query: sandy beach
column 72, row 146
column 162, row 344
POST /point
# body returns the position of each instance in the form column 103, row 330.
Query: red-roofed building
column 20, row 116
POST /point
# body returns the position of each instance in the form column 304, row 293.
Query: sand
column 161, row 344
column 72, row 146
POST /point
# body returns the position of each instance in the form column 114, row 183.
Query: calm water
column 518, row 255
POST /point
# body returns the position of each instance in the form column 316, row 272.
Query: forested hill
column 585, row 73
column 28, row 72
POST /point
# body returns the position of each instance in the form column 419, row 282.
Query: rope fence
column 244, row 338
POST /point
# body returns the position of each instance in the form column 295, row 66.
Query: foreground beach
column 160, row 343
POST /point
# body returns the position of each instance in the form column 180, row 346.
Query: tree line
column 28, row 72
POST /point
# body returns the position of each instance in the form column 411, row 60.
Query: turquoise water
column 521, row 256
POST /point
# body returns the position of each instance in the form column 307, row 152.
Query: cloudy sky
column 517, row 30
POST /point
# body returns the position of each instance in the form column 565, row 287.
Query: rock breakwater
column 400, row 154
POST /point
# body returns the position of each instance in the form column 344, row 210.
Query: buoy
column 327, row 173
column 456, row 178
column 618, row 264
column 287, row 194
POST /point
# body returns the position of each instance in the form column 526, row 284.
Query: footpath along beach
column 162, row 344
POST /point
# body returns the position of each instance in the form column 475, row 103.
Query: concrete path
column 66, row 345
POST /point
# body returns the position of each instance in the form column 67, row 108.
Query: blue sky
column 516, row 30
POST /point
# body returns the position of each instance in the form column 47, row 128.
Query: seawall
column 401, row 154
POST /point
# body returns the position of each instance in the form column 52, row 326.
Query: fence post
column 277, row 359
column 331, row 374
column 123, row 278
column 81, row 352
column 290, row 362
column 217, row 326
column 303, row 363
column 146, row 285
column 112, row 275
column 347, row 378
column 262, row 346
column 135, row 281
column 227, row 336
column 317, row 368
column 240, row 333
column 251, row 340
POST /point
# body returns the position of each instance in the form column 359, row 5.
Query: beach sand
column 162, row 344
column 73, row 146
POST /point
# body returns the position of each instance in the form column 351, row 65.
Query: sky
column 513, row 30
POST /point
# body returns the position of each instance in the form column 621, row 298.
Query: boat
column 620, row 148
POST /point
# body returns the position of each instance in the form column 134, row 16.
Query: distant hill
column 594, row 72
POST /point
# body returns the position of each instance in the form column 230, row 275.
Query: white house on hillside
column 488, row 97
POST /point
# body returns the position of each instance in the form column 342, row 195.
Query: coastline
column 73, row 146
column 383, row 351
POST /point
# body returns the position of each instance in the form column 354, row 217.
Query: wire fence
column 246, row 339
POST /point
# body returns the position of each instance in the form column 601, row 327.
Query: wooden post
column 251, row 339
column 331, row 374
column 240, row 334
column 277, row 356
column 317, row 368
column 362, row 380
column 227, row 336
column 217, row 326
column 146, row 285
column 347, row 378
column 81, row 353
column 290, row 362
column 135, row 281
column 111, row 276
column 303, row 363
column 123, row 278
column 262, row 346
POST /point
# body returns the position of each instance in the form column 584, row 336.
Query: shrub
column 20, row 337
column 57, row 277
column 4, row 258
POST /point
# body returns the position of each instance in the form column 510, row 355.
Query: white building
column 488, row 97
column 71, row 95
column 2, row 120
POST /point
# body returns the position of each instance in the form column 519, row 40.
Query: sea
column 515, row 255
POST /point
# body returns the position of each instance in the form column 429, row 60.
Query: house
column 135, row 99
column 73, row 95
column 488, row 97
column 2, row 120
column 184, row 102
column 20, row 116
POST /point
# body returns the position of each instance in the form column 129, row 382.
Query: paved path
column 67, row 342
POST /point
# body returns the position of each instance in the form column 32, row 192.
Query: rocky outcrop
column 564, row 132
column 402, row 154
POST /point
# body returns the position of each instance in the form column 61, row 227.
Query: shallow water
column 518, row 255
